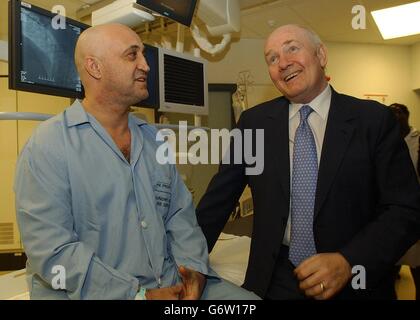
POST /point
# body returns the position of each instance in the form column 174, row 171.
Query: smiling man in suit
column 337, row 190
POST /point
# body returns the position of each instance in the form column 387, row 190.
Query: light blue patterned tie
column 304, row 180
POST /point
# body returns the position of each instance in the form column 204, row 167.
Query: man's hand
column 323, row 275
column 194, row 283
column 168, row 293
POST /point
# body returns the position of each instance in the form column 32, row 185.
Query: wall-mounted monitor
column 183, row 83
column 151, row 54
column 181, row 11
column 41, row 57
column 177, row 82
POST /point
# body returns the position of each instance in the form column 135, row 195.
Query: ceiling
column 330, row 19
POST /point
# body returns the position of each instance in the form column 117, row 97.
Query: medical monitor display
column 41, row 54
column 183, row 83
column 152, row 57
column 181, row 11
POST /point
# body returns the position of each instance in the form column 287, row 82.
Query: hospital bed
column 229, row 259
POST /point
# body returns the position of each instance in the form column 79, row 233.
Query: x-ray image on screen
column 49, row 55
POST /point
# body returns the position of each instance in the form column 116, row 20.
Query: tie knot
column 305, row 111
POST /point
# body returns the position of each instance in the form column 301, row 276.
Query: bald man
column 337, row 191
column 98, row 216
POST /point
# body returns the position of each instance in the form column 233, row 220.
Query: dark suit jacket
column 367, row 201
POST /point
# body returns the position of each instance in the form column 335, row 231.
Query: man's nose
column 284, row 63
column 142, row 64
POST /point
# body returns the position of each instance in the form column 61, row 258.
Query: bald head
column 97, row 41
column 111, row 65
column 310, row 35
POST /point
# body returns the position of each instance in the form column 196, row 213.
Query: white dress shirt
column 317, row 122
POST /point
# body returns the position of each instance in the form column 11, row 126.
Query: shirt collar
column 137, row 121
column 76, row 115
column 321, row 104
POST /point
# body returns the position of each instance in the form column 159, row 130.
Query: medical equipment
column 41, row 52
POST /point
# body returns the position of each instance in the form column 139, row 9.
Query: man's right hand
column 168, row 293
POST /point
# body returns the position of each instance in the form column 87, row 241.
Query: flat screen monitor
column 151, row 54
column 176, row 82
column 41, row 57
column 181, row 11
column 182, row 83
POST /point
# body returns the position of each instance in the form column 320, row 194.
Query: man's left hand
column 194, row 283
column 323, row 275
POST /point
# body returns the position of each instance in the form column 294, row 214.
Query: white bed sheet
column 229, row 257
column 13, row 286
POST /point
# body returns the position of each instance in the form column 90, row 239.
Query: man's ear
column 322, row 55
column 93, row 67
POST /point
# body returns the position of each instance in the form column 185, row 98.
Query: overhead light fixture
column 399, row 21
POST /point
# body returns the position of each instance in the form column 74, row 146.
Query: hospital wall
column 355, row 69
column 13, row 136
column 3, row 20
column 415, row 61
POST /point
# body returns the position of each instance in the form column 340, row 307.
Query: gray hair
column 312, row 35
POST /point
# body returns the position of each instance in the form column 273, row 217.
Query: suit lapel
column 278, row 128
column 338, row 134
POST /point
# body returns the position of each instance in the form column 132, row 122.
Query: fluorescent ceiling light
column 400, row 21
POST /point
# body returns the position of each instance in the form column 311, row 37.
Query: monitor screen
column 176, row 82
column 181, row 11
column 41, row 56
column 183, row 83
column 152, row 57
